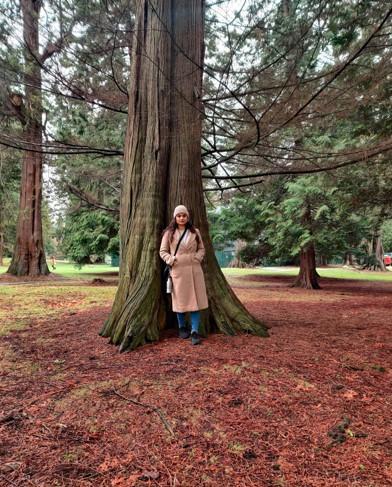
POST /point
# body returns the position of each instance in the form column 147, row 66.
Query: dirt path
column 309, row 406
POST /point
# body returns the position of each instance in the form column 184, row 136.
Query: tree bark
column 162, row 169
column 29, row 256
column 348, row 259
column 1, row 247
column 375, row 258
column 321, row 260
column 308, row 276
column 379, row 252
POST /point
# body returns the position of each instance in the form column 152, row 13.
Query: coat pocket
column 181, row 263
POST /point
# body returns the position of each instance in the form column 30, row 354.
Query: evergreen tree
column 162, row 169
column 9, row 193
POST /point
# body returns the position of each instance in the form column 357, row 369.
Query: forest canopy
column 296, row 119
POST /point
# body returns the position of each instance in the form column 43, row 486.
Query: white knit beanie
column 180, row 209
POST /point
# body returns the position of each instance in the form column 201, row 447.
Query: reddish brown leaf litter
column 310, row 406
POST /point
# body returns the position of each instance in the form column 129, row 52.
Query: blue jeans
column 195, row 320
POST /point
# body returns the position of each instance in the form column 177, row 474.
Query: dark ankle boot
column 195, row 338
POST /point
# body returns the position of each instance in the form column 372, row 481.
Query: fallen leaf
column 153, row 475
column 350, row 394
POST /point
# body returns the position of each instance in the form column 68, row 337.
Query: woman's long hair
column 172, row 227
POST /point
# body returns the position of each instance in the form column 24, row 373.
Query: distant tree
column 29, row 256
column 90, row 116
column 9, row 193
column 386, row 230
column 22, row 96
column 89, row 233
column 313, row 217
column 364, row 192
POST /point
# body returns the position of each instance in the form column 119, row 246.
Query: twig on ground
column 7, row 480
column 148, row 406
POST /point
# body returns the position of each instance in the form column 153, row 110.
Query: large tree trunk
column 1, row 247
column 308, row 276
column 29, row 256
column 161, row 170
column 375, row 258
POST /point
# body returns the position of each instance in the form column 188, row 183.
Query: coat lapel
column 184, row 245
column 190, row 239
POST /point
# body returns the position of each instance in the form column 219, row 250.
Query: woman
column 189, row 289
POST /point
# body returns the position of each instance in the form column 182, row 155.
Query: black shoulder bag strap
column 182, row 236
column 166, row 271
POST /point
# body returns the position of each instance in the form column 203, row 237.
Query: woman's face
column 182, row 219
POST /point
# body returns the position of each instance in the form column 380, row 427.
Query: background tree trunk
column 1, row 247
column 348, row 259
column 162, row 169
column 379, row 252
column 29, row 256
column 308, row 276
column 375, row 258
column 321, row 260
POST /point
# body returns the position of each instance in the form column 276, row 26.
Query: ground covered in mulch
column 309, row 406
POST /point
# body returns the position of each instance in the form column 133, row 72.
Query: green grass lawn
column 341, row 273
column 334, row 272
column 69, row 270
column 90, row 271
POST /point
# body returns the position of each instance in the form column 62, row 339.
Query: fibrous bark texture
column 375, row 258
column 308, row 276
column 29, row 256
column 1, row 246
column 162, row 169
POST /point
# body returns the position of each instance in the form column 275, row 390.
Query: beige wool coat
column 189, row 289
